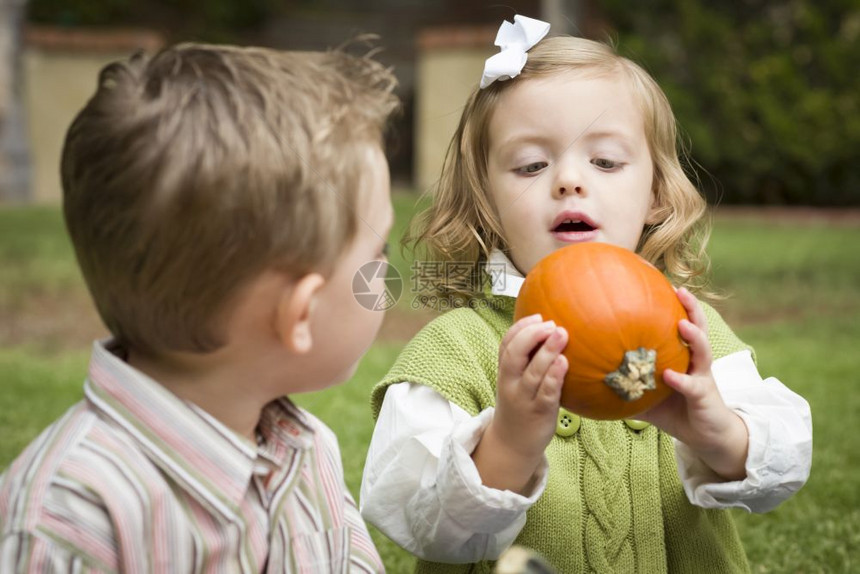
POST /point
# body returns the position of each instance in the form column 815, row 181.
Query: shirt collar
column 199, row 452
column 505, row 278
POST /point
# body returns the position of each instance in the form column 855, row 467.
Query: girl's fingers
column 550, row 388
column 516, row 328
column 542, row 361
column 514, row 357
column 700, row 347
column 693, row 308
column 684, row 384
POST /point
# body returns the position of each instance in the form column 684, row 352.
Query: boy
column 220, row 200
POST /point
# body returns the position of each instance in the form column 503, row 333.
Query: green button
column 633, row 424
column 568, row 423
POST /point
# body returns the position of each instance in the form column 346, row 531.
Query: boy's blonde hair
column 461, row 224
column 190, row 173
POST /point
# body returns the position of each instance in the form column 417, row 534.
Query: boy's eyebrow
column 390, row 226
column 386, row 231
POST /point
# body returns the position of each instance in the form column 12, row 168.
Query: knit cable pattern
column 608, row 522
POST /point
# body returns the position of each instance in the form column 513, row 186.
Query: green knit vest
column 613, row 501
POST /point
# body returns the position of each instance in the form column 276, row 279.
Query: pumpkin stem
column 635, row 375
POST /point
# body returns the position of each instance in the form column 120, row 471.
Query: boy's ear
column 295, row 309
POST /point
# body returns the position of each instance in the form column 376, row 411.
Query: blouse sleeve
column 421, row 488
column 779, row 422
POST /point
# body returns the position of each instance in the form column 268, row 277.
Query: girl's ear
column 295, row 310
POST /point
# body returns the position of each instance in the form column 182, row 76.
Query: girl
column 471, row 451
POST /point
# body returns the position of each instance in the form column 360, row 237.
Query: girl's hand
column 696, row 415
column 528, row 389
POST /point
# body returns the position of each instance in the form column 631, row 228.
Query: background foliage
column 767, row 92
column 213, row 20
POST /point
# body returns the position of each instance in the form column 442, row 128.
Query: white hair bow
column 514, row 40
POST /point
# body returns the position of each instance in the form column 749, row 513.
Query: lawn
column 794, row 289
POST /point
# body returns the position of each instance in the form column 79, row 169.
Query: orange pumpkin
column 622, row 317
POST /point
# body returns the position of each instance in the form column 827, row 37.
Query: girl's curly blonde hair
column 461, row 224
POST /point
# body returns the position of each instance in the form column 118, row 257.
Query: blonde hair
column 190, row 173
column 461, row 225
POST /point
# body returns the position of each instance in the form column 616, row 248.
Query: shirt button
column 568, row 423
column 633, row 424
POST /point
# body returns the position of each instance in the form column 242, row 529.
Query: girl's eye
column 532, row 167
column 604, row 163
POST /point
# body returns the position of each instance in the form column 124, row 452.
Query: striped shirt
column 134, row 479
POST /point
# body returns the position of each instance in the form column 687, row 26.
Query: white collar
column 504, row 276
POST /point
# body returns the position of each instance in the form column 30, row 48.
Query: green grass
column 35, row 254
column 796, row 299
column 819, row 529
column 36, row 390
column 770, row 268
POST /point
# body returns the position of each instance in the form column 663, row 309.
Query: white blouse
column 421, row 488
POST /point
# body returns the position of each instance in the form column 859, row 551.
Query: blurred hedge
column 212, row 20
column 767, row 94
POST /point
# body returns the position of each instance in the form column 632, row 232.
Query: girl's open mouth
column 571, row 227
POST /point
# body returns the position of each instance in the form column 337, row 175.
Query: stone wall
column 449, row 63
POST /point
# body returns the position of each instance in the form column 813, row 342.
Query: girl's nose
column 568, row 184
column 568, row 179
column 565, row 190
